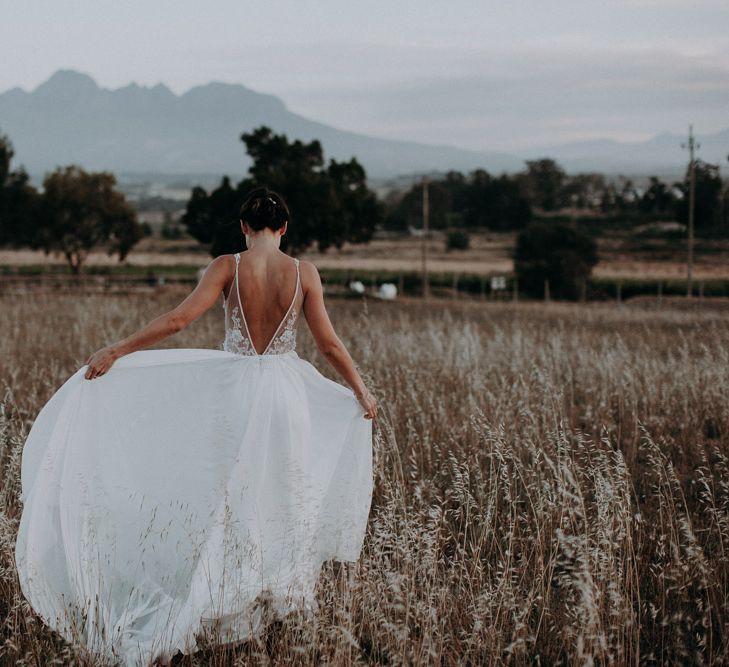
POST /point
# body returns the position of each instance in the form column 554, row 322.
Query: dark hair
column 264, row 208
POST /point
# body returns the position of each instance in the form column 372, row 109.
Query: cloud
column 522, row 99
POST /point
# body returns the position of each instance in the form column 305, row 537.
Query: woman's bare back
column 267, row 285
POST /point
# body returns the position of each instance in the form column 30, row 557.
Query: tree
column 708, row 196
column 560, row 253
column 657, row 199
column 18, row 200
column 478, row 201
column 544, row 182
column 457, row 239
column 446, row 204
column 82, row 210
column 359, row 206
column 213, row 219
column 584, row 190
column 329, row 205
column 495, row 203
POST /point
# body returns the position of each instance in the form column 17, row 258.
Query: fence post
column 619, row 291
column 546, row 290
column 516, row 290
column 455, row 285
column 701, row 289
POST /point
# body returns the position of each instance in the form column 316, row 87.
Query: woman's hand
column 367, row 401
column 100, row 362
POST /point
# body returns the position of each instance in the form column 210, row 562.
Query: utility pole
column 692, row 145
column 426, row 214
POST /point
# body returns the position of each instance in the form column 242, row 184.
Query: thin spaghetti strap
column 226, row 297
column 237, row 289
column 232, row 282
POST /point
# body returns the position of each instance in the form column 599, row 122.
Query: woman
column 168, row 494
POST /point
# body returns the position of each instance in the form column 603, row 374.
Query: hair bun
column 264, row 208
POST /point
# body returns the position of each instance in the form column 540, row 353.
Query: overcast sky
column 484, row 74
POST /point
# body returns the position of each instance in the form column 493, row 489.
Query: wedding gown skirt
column 182, row 488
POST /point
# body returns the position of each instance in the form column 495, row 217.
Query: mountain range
column 69, row 119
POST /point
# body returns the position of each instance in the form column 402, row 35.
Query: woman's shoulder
column 222, row 261
column 308, row 271
column 222, row 266
column 309, row 276
column 309, row 267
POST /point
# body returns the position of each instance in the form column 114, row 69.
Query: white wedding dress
column 188, row 491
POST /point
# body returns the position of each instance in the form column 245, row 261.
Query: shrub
column 562, row 254
column 457, row 240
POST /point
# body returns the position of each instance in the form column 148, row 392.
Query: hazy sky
column 488, row 75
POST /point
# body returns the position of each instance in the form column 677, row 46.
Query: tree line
column 76, row 211
column 480, row 200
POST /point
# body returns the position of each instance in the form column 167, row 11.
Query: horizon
column 516, row 152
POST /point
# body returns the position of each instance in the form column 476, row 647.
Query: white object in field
column 498, row 283
column 387, row 291
column 357, row 286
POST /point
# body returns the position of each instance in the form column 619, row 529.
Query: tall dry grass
column 551, row 484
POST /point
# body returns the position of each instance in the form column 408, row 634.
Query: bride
column 171, row 494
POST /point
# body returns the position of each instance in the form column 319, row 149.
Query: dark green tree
column 457, row 239
column 560, row 253
column 584, row 190
column 657, row 199
column 213, row 218
column 708, row 197
column 544, row 182
column 81, row 211
column 18, row 201
column 446, row 204
column 329, row 205
column 359, row 206
column 495, row 203
column 620, row 197
column 478, row 201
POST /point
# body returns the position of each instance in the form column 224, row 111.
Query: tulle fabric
column 187, row 490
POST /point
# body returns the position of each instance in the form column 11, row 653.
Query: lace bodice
column 238, row 338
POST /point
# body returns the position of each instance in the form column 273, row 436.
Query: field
column 551, row 482
column 627, row 255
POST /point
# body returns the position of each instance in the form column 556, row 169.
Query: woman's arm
column 327, row 340
column 195, row 304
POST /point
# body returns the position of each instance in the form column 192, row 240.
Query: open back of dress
column 237, row 335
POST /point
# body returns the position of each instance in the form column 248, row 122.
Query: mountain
column 70, row 119
column 662, row 154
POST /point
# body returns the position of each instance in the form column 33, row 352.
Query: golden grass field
column 551, row 482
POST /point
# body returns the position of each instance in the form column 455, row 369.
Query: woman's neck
column 263, row 242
